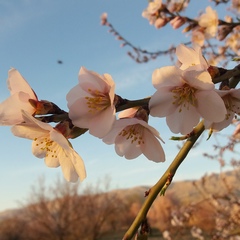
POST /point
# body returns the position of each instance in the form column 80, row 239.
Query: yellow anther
column 184, row 96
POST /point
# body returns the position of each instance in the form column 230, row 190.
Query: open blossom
column 209, row 22
column 50, row 144
column 151, row 12
column 231, row 100
column 133, row 136
column 21, row 92
column 91, row 102
column 183, row 97
column 191, row 58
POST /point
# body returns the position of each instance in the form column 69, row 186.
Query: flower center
column 98, row 102
column 184, row 96
column 46, row 145
column 232, row 105
column 133, row 133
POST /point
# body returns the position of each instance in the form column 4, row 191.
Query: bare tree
column 65, row 212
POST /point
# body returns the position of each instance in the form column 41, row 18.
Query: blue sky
column 34, row 35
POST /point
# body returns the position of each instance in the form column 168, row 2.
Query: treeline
column 204, row 209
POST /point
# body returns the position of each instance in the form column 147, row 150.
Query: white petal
column 152, row 148
column 59, row 139
column 37, row 148
column 51, row 160
column 118, row 126
column 68, row 169
column 169, row 76
column 10, row 109
column 29, row 131
column 16, row 83
column 187, row 56
column 198, row 79
column 79, row 165
column 92, row 80
column 74, row 94
column 211, row 106
column 101, row 124
column 183, row 121
column 28, row 118
column 125, row 147
column 161, row 103
column 79, row 113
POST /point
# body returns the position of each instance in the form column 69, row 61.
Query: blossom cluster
column 204, row 30
column 159, row 14
column 185, row 95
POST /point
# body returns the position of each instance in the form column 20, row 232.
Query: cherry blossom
column 231, row 100
column 133, row 137
column 91, row 102
column 183, row 97
column 50, row 144
column 191, row 57
column 21, row 93
column 209, row 22
column 151, row 12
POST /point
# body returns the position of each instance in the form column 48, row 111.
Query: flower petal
column 198, row 79
column 92, row 80
column 10, row 109
column 78, row 165
column 29, row 131
column 16, row 83
column 101, row 124
column 68, row 169
column 74, row 93
column 183, row 121
column 125, row 147
column 211, row 106
column 169, row 76
column 161, row 103
column 152, row 148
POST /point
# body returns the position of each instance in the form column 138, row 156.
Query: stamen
column 133, row 132
column 46, row 144
column 184, row 96
column 98, row 101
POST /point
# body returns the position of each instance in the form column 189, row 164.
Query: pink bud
column 161, row 22
column 177, row 22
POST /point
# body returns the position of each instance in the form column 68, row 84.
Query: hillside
column 186, row 204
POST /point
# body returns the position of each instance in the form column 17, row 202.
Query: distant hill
column 193, row 199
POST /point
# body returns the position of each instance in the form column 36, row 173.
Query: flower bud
column 177, row 22
column 161, row 22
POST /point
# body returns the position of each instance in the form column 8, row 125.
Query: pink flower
column 231, row 100
column 151, row 12
column 21, row 93
column 133, row 137
column 91, row 102
column 50, row 144
column 209, row 21
column 183, row 97
column 191, row 58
